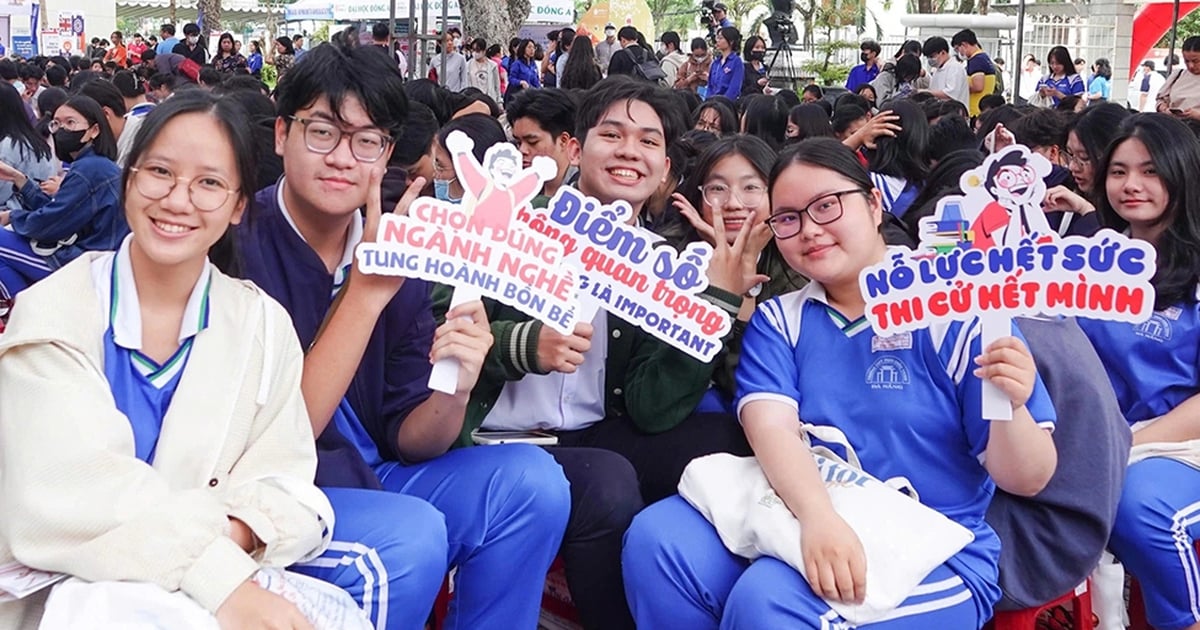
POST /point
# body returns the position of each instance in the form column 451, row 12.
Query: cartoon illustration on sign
column 479, row 246
column 990, row 254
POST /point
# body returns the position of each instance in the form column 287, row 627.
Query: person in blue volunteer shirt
column 826, row 219
column 496, row 513
column 725, row 75
column 1100, row 88
column 84, row 214
column 168, row 40
column 869, row 69
column 1148, row 190
column 134, row 470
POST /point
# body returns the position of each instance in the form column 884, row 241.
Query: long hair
column 1095, row 129
column 1175, row 153
column 231, row 117
column 581, row 70
column 903, row 156
column 15, row 125
column 1103, row 68
column 104, row 144
column 1061, row 56
column 766, row 118
column 811, row 120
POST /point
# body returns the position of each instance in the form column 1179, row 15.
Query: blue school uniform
column 909, row 405
column 1071, row 85
column 1154, row 366
column 141, row 387
column 497, row 513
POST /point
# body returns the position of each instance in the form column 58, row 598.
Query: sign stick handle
column 444, row 375
column 996, row 405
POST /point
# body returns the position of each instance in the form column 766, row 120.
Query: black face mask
column 863, row 57
column 67, row 142
column 757, row 55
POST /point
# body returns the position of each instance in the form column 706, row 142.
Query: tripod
column 780, row 28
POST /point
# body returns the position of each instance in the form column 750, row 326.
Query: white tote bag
column 904, row 541
column 77, row 604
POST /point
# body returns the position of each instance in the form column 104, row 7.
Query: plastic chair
column 1080, row 601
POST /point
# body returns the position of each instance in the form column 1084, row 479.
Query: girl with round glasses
column 84, row 214
column 725, row 197
column 160, row 399
column 918, row 417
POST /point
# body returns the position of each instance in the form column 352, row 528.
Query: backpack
column 646, row 66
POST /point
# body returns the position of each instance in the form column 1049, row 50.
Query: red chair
column 1080, row 601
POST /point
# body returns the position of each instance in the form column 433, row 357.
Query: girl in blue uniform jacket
column 909, row 404
column 172, row 445
column 84, row 215
column 725, row 75
column 1149, row 192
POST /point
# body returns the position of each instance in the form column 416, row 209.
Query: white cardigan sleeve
column 73, row 502
column 271, row 487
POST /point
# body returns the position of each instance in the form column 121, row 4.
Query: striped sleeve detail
column 953, row 342
column 521, row 347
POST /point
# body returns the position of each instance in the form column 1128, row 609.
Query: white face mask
column 478, row 55
column 609, row 34
column 192, row 39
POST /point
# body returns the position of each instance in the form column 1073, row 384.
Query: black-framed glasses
column 207, row 192
column 824, row 210
column 719, row 195
column 323, row 137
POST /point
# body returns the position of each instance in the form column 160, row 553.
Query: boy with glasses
column 497, row 513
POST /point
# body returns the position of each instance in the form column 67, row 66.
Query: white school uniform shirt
column 951, row 78
column 557, row 401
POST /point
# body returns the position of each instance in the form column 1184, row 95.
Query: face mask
column 67, row 142
column 932, row 63
column 457, row 42
column 863, row 57
column 192, row 39
column 609, row 33
column 441, row 190
column 757, row 55
column 478, row 55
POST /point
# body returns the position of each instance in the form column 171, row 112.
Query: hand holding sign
column 1008, row 365
column 480, row 248
column 557, row 352
column 463, row 340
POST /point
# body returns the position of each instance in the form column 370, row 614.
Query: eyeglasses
column 207, row 192
column 823, row 211
column 719, row 195
column 1082, row 160
column 70, row 125
column 705, row 125
column 323, row 137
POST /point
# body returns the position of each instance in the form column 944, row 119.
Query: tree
column 494, row 21
column 1189, row 25
column 211, row 9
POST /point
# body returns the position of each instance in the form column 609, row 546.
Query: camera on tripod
column 780, row 27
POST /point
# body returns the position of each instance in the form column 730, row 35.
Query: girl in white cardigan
column 151, row 424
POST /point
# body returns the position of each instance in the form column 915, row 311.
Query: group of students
column 327, row 452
